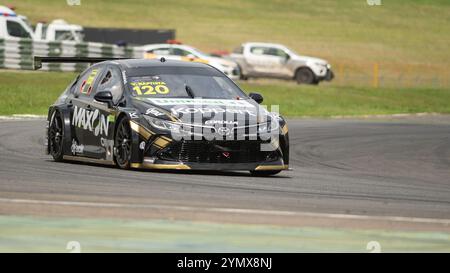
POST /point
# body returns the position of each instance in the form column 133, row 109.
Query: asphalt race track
column 396, row 168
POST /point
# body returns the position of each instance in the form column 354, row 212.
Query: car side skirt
column 88, row 160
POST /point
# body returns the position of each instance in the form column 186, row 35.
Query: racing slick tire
column 264, row 173
column 304, row 75
column 122, row 144
column 56, row 136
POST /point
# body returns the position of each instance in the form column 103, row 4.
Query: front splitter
column 170, row 165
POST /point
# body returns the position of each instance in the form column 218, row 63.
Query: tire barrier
column 18, row 54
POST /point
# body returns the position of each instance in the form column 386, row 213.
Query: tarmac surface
column 352, row 173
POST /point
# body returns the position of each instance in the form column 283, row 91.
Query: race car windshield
column 184, row 86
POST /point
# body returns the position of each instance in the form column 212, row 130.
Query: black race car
column 163, row 114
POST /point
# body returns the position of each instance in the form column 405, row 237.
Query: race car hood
column 207, row 112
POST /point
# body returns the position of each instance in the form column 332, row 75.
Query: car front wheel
column 305, row 76
column 122, row 144
column 56, row 137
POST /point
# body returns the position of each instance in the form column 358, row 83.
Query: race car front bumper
column 162, row 152
column 329, row 76
column 150, row 163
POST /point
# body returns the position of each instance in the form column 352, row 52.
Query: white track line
column 22, row 117
column 400, row 115
column 232, row 210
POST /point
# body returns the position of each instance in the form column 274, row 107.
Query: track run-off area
column 352, row 181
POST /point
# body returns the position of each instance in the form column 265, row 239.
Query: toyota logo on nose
column 224, row 131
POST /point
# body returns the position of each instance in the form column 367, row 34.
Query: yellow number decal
column 162, row 89
column 150, row 90
column 147, row 88
column 138, row 90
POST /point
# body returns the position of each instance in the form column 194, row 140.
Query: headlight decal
column 162, row 124
column 141, row 130
column 284, row 129
column 162, row 142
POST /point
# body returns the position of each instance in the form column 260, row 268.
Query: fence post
column 376, row 75
column 340, row 73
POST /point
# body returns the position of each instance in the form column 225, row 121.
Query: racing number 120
column 150, row 90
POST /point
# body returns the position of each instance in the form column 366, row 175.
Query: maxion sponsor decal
column 92, row 121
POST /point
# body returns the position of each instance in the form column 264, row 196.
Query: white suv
column 277, row 61
column 187, row 53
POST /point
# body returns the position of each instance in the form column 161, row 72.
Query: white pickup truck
column 14, row 26
column 258, row 60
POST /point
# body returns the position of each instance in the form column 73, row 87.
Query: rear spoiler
column 91, row 60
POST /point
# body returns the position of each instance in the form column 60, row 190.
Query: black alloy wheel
column 122, row 144
column 56, row 137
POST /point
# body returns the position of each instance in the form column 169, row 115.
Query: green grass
column 326, row 101
column 30, row 92
column 409, row 40
column 396, row 30
column 33, row 92
column 350, row 30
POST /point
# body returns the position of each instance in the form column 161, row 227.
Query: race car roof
column 139, row 67
column 139, row 63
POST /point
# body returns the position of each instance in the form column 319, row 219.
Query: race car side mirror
column 104, row 96
column 256, row 97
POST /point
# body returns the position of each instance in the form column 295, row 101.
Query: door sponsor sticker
column 92, row 121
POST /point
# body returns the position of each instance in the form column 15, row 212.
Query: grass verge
column 328, row 100
column 33, row 92
column 32, row 234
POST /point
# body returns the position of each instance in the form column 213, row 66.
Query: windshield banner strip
column 230, row 103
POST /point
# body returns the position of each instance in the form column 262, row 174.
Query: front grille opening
column 217, row 152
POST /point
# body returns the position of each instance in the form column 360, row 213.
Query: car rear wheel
column 56, row 137
column 264, row 173
column 122, row 144
column 305, row 76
